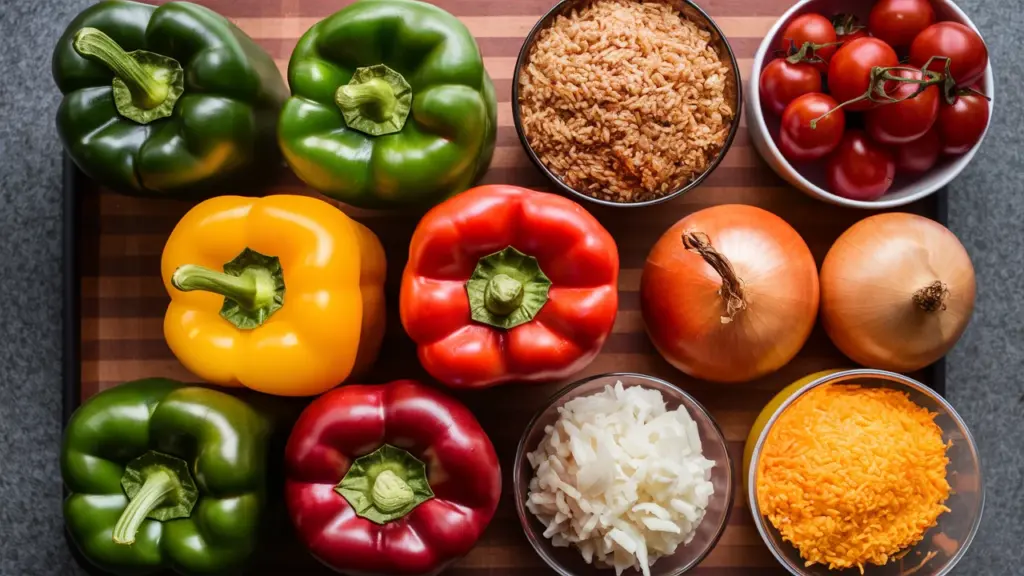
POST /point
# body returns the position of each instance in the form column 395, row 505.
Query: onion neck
column 732, row 287
column 932, row 298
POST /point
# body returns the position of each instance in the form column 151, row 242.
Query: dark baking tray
column 76, row 191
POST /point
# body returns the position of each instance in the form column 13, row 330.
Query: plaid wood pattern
column 123, row 301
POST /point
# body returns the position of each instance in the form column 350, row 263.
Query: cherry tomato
column 782, row 82
column 966, row 50
column 847, row 38
column 962, row 124
column 859, row 169
column 908, row 120
column 813, row 28
column 898, row 22
column 849, row 72
column 801, row 143
column 848, row 28
column 919, row 156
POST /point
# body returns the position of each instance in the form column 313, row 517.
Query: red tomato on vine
column 898, row 22
column 860, row 169
column 806, row 133
column 849, row 72
column 812, row 28
column 782, row 82
column 967, row 53
column 848, row 28
column 962, row 123
column 911, row 117
column 919, row 156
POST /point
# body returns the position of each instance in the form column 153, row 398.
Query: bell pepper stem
column 390, row 493
column 504, row 294
column 375, row 99
column 253, row 289
column 147, row 92
column 385, row 485
column 507, row 289
column 158, row 486
column 252, row 285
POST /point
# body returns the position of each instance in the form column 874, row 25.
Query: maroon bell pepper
column 394, row 479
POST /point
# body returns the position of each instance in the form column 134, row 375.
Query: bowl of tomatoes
column 871, row 104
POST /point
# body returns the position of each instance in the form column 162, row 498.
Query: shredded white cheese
column 621, row 478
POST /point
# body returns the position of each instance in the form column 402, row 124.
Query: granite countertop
column 984, row 376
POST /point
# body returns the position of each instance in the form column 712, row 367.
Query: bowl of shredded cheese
column 624, row 474
column 866, row 472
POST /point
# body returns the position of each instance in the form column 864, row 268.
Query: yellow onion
column 729, row 293
column 897, row 292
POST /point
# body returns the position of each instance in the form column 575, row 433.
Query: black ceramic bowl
column 733, row 88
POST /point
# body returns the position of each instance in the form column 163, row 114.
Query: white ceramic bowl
column 764, row 128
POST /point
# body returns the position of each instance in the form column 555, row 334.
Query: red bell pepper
column 507, row 284
column 394, row 479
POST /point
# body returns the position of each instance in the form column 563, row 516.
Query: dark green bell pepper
column 166, row 101
column 391, row 106
column 165, row 476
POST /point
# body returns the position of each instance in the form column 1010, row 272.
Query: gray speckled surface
column 985, row 370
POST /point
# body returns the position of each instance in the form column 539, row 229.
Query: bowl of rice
column 865, row 472
column 626, row 102
column 623, row 473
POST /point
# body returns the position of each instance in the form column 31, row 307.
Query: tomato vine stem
column 881, row 76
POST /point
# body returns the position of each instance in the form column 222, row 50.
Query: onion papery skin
column 683, row 308
column 868, row 282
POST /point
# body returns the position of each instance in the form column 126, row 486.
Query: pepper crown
column 252, row 285
column 385, row 485
column 507, row 289
column 158, row 486
column 146, row 86
column 376, row 101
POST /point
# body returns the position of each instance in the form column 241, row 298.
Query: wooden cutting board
column 121, row 303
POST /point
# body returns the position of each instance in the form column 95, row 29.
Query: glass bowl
column 568, row 561
column 946, row 543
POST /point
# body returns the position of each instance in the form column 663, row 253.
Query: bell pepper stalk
column 376, row 101
column 284, row 294
column 404, row 116
column 392, row 479
column 166, row 101
column 163, row 476
column 146, row 86
column 505, row 284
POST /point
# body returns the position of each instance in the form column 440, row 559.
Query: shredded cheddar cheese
column 852, row 475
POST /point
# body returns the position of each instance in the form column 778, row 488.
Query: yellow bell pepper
column 283, row 294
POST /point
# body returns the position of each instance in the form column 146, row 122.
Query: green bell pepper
column 391, row 106
column 165, row 476
column 166, row 101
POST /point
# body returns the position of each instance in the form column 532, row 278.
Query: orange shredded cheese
column 853, row 475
